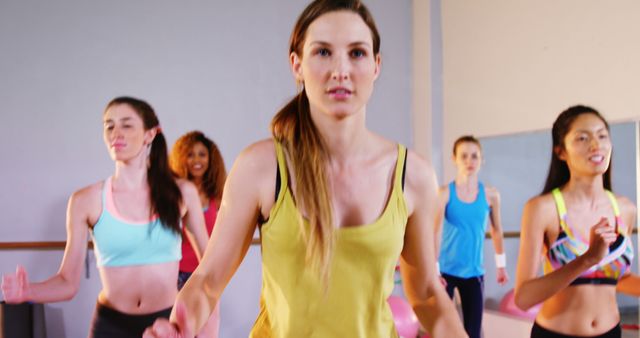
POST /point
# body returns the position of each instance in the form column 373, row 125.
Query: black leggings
column 471, row 295
column 540, row 332
column 109, row 323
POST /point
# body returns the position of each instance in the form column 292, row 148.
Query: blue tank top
column 463, row 232
column 119, row 242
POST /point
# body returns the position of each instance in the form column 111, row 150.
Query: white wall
column 512, row 66
column 217, row 66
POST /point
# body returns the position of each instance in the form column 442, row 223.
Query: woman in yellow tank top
column 337, row 205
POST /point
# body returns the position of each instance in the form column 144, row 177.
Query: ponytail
column 294, row 129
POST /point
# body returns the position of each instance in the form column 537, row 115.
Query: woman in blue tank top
column 134, row 218
column 583, row 232
column 466, row 206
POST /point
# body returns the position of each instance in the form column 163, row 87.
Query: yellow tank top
column 293, row 302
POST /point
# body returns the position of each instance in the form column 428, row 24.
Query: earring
column 299, row 86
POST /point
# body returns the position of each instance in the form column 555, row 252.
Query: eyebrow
column 353, row 44
column 124, row 119
column 589, row 131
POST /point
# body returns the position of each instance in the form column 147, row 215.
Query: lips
column 339, row 93
column 597, row 159
column 118, row 145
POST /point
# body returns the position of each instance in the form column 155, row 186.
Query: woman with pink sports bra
column 583, row 231
column 134, row 218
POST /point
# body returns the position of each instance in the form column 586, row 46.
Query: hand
column 600, row 237
column 15, row 288
column 443, row 281
column 501, row 276
column 162, row 328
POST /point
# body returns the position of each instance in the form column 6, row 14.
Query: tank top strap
column 562, row 212
column 453, row 195
column 400, row 163
column 282, row 168
column 482, row 195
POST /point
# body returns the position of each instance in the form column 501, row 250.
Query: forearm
column 537, row 290
column 497, row 238
column 55, row 289
column 438, row 314
column 199, row 300
column 629, row 285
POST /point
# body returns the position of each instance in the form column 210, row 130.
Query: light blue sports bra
column 120, row 242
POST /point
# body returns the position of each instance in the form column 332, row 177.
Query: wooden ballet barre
column 61, row 244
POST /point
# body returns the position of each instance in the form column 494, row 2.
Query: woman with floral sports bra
column 583, row 229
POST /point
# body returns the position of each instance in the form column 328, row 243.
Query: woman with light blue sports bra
column 466, row 206
column 583, row 231
column 134, row 218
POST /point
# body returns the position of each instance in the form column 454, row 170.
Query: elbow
column 69, row 292
column 70, row 288
column 520, row 299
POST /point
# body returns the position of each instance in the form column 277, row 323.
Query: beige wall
column 512, row 66
column 421, row 79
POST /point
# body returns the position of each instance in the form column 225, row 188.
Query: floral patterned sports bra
column 569, row 245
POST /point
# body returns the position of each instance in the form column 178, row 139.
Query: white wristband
column 501, row 260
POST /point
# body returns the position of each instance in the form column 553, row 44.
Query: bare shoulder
column 86, row 203
column 493, row 195
column 491, row 190
column 258, row 158
column 88, row 196
column 419, row 173
column 626, row 205
column 628, row 210
column 542, row 209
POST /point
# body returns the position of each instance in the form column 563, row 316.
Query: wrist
column 587, row 260
column 501, row 260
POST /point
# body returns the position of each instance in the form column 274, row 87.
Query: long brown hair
column 164, row 191
column 559, row 174
column 294, row 128
column 213, row 179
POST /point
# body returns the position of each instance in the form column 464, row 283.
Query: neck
column 466, row 181
column 198, row 182
column 585, row 187
column 346, row 138
column 131, row 174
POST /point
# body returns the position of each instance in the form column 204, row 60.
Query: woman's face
column 468, row 158
column 198, row 160
column 124, row 133
column 587, row 146
column 337, row 65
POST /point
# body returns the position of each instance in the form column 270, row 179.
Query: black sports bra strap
column 404, row 168
column 278, row 182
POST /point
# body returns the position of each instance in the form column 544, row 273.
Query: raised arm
column 81, row 211
column 250, row 181
column 497, row 236
column 193, row 217
column 530, row 289
column 425, row 293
